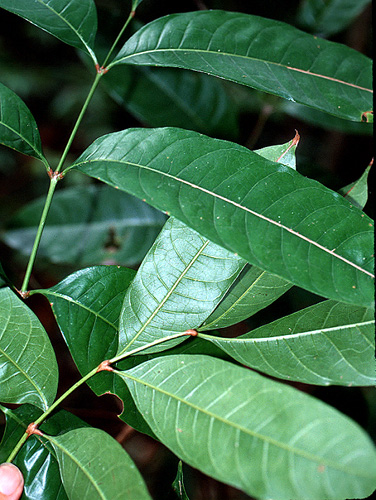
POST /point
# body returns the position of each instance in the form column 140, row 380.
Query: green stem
column 144, row 347
column 24, row 437
column 78, row 121
column 51, row 190
column 130, row 17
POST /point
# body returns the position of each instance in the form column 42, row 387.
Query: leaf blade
column 18, row 129
column 91, row 473
column 219, row 415
column 242, row 202
column 73, row 22
column 166, row 300
column 260, row 53
column 29, row 368
column 328, row 343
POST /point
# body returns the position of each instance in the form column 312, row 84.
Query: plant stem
column 82, row 381
column 144, row 347
column 78, row 121
column 50, row 409
column 130, row 17
column 38, row 236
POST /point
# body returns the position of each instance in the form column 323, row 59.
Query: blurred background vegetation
column 92, row 224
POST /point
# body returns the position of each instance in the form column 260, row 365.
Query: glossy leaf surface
column 328, row 17
column 88, row 225
column 18, row 129
column 164, row 300
column 261, row 53
column 328, row 343
column 29, row 372
column 173, row 97
column 37, row 459
column 263, row 437
column 74, row 21
column 267, row 213
column 94, row 466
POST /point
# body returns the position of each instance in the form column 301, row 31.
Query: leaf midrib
column 201, row 51
column 167, row 296
column 90, row 51
column 261, row 437
column 288, row 336
column 227, row 200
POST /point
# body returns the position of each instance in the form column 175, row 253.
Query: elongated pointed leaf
column 179, row 283
column 29, row 372
column 263, row 437
column 18, row 129
column 328, row 343
column 267, row 213
column 261, row 53
column 88, row 225
column 74, row 21
column 37, row 459
column 176, row 98
column 328, row 17
column 94, row 466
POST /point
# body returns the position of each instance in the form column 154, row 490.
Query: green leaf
column 328, row 122
column 72, row 21
column 88, row 225
column 18, row 129
column 269, row 214
column 357, row 192
column 87, row 307
column 180, row 281
column 173, row 97
column 254, row 289
column 29, row 372
column 328, row 17
column 37, row 459
column 94, row 466
column 327, row 343
column 265, row 438
column 178, row 484
column 261, row 53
